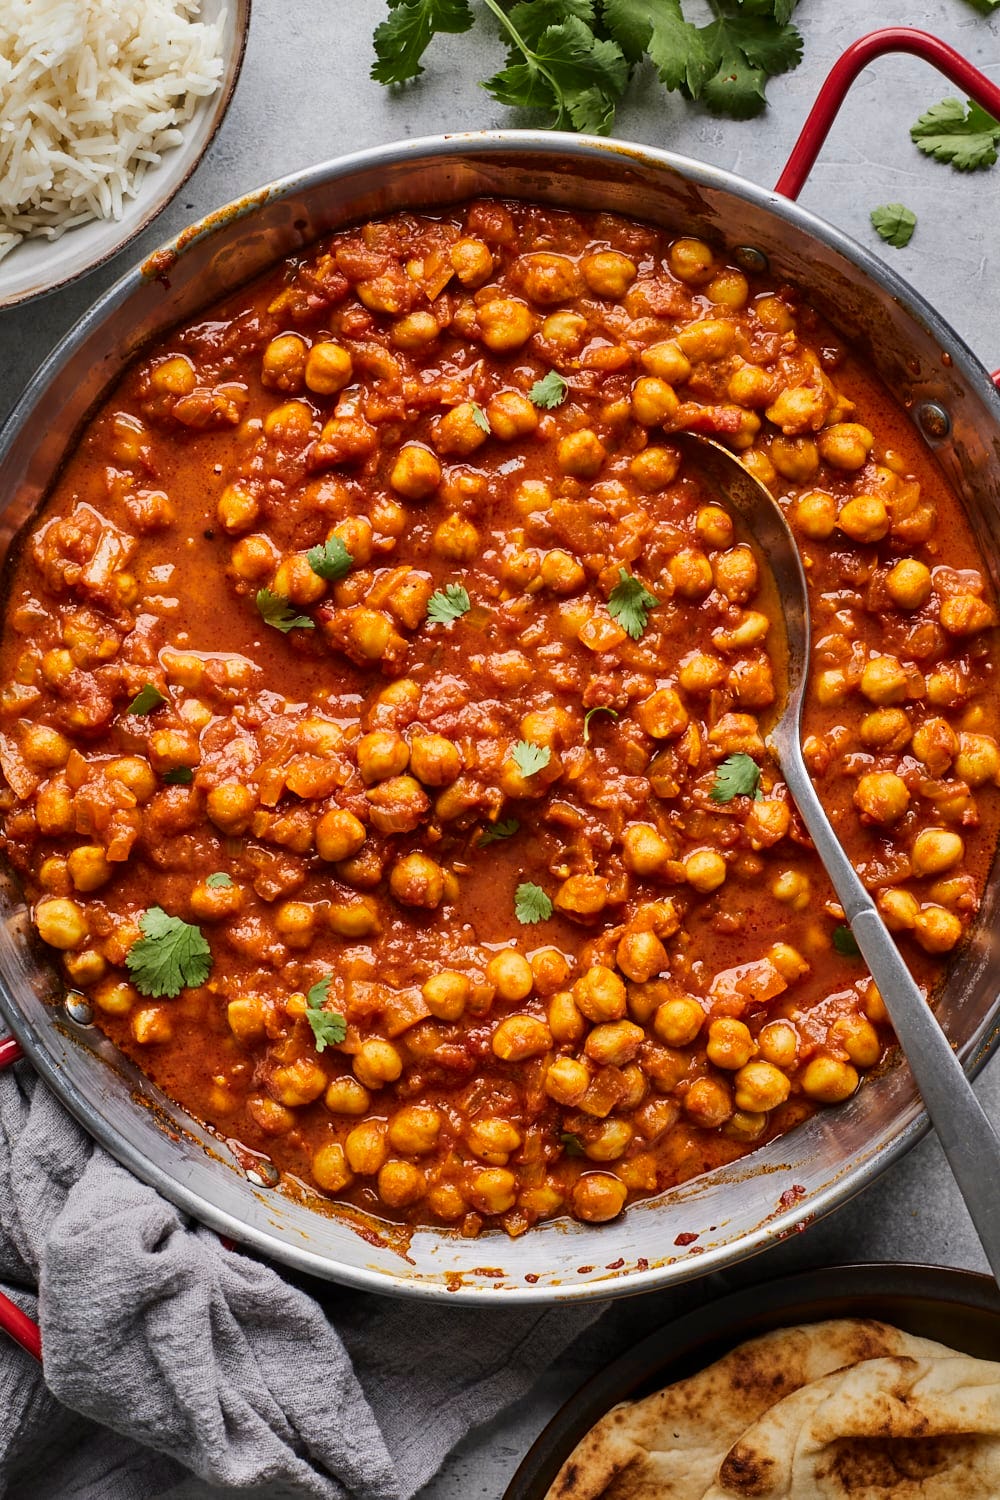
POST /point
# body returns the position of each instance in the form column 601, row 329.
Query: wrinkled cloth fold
column 176, row 1368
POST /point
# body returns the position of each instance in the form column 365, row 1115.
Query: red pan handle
column 10, row 1051
column 20, row 1327
column 846, row 69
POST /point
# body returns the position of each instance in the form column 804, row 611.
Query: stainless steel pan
column 734, row 1211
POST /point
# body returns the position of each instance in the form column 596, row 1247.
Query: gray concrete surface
column 305, row 96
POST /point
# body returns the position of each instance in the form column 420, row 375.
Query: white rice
column 91, row 93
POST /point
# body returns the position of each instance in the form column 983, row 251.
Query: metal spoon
column 968, row 1138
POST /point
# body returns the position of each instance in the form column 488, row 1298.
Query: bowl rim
column 495, row 143
column 692, row 1341
column 216, row 109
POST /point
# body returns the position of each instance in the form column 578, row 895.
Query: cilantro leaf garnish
column 531, row 904
column 494, row 832
column 737, row 776
column 331, row 560
column 329, row 1027
column 630, row 603
column 178, row 776
column 572, row 1143
column 278, row 612
column 172, row 955
column 402, row 38
column 894, row 223
column 146, row 700
column 557, row 62
column 845, row 942
column 601, row 708
column 448, row 604
column 218, row 881
column 480, row 418
column 530, row 758
column 549, row 392
column 968, row 140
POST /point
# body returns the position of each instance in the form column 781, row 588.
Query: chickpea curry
column 383, row 710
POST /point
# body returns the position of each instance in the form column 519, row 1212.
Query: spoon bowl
column 967, row 1137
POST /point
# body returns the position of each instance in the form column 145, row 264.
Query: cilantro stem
column 529, row 56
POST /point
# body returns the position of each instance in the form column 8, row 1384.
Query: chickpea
column 760, row 1087
column 908, row 584
column 709, row 1102
column 967, row 614
column 864, row 519
column 582, row 895
column 699, row 672
column 170, row 748
column 416, row 473
column 798, row 409
column 936, row 744
column 884, row 680
column 600, row 994
column 793, row 888
column 298, row 1083
column 61, row 923
column 711, row 338
column 548, row 278
column 607, row 273
column 493, row 1190
column 446, row 1201
column 561, row 572
column 566, row 330
column 174, row 376
column 886, row 729
column 471, row 261
column 213, row 903
column 829, row 1081
column 328, row 368
column 400, row 1183
column 795, row 458
column 85, row 967
column 978, row 759
column 417, row 880
column 510, row 972
column 565, row 1020
column 414, row 1129
column 815, row 514
column 729, row 288
column 745, row 1126
column 678, row 1022
column 520, row 1037
column 511, row 415
column 381, row 754
column 115, row 997
column 899, row 908
column 377, row 1062
column 581, row 454
column 882, row 796
column 936, row 929
column 653, row 401
column 788, row 961
column 858, row 1038
column 845, row 445
column 295, row 922
column 692, row 261
column 284, row 362
column 779, row 1043
column 691, row 573
column 644, row 851
column 505, row 323
column 345, row 1096
column 135, row 773
column 729, row 1044
column 459, row 431
column 397, row 805
column 936, row 850
column 447, row 994
column 654, row 468
column 88, row 867
column 640, row 956
column 339, row 834
column 736, row 574
column 614, row 1043
column 713, row 526
column 567, row 1080
column 550, row 970
column 705, row 869
column 598, row 1197
column 45, row 749
column 456, row 539
column 152, row 1025
column 493, row 1139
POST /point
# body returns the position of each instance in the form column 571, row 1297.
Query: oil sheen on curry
column 383, row 709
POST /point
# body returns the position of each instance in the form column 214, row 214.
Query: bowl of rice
column 106, row 108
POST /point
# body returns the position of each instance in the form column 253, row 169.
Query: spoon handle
column 967, row 1137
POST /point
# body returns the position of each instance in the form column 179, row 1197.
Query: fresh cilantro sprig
column 329, row 1027
column 601, row 708
column 172, row 955
column 331, row 560
column 549, row 392
column 894, row 223
column 531, row 904
column 572, row 1144
column 178, row 776
column 448, row 604
column 278, row 612
column 481, row 420
column 146, row 700
column 572, row 59
column 530, row 758
column 845, row 942
column 630, row 603
column 967, row 139
column 737, row 776
column 219, row 881
column 505, row 828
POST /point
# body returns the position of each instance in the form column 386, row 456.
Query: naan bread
column 896, row 1429
column 670, row 1446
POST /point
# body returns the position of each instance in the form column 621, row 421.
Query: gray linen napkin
column 168, row 1356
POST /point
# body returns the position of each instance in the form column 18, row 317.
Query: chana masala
column 383, row 714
